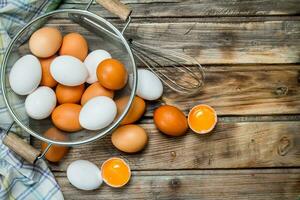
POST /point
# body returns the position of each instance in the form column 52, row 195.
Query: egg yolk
column 115, row 172
column 202, row 119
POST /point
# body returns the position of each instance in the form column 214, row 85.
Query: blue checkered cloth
column 19, row 179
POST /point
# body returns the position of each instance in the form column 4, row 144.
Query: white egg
column 25, row 75
column 40, row 103
column 92, row 61
column 97, row 113
column 84, row 175
column 149, row 87
column 68, row 70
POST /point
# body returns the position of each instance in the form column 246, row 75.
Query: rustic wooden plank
column 242, row 90
column 231, row 145
column 200, row 184
column 225, row 42
column 192, row 8
column 217, row 41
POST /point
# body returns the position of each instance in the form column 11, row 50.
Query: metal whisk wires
column 172, row 68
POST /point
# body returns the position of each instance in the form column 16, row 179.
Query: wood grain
column 217, row 40
column 231, row 145
column 242, row 90
column 199, row 184
column 192, row 8
column 225, row 42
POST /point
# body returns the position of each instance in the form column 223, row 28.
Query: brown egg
column 95, row 90
column 170, row 120
column 66, row 117
column 69, row 94
column 45, row 42
column 112, row 74
column 135, row 112
column 56, row 152
column 129, row 138
column 75, row 45
column 47, row 79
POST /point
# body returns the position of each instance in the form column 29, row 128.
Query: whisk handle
column 116, row 7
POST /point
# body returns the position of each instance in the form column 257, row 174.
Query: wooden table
column 250, row 51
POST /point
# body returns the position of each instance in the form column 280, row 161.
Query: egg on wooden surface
column 56, row 152
column 45, row 42
column 98, row 113
column 84, row 175
column 68, row 70
column 69, row 94
column 149, row 87
column 170, row 120
column 92, row 61
column 129, row 138
column 135, row 112
column 112, row 74
column 40, row 103
column 25, row 75
column 95, row 90
column 47, row 79
column 75, row 45
column 66, row 117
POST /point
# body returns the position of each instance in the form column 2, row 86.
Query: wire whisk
column 178, row 71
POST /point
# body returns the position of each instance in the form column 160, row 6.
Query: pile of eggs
column 76, row 88
column 63, row 63
column 57, row 72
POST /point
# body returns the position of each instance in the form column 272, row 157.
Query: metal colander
column 67, row 20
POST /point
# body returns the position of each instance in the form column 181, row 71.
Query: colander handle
column 21, row 148
column 116, row 7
